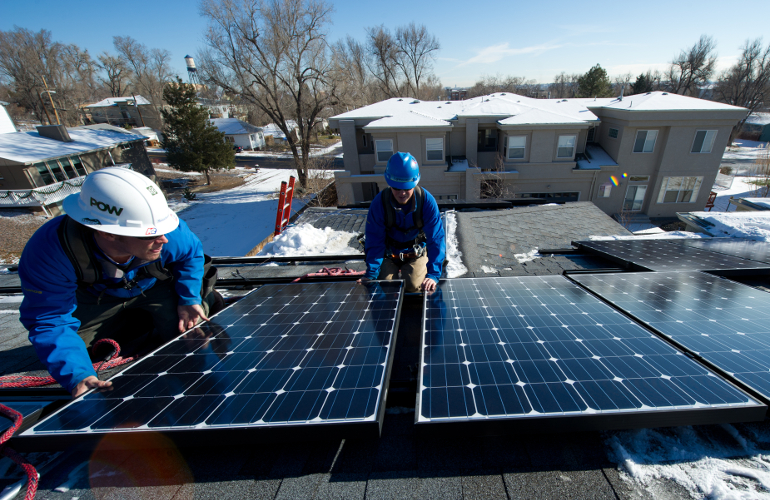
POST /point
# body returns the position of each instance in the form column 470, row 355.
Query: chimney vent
column 56, row 132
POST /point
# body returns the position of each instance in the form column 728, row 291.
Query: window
column 384, row 150
column 487, row 140
column 434, row 149
column 704, row 141
column 364, row 139
column 79, row 168
column 679, row 189
column 44, row 173
column 645, row 141
column 590, row 136
column 127, row 145
column 517, row 147
column 54, row 167
column 566, row 147
column 613, row 133
column 634, row 198
column 446, row 197
column 65, row 163
column 605, row 190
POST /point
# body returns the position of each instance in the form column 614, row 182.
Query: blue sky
column 536, row 40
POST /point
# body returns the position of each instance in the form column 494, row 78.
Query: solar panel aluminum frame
column 580, row 422
column 631, row 266
column 224, row 436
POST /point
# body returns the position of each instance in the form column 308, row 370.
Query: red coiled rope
column 32, row 477
column 332, row 271
column 13, row 381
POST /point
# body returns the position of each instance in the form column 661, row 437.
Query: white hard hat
column 120, row 201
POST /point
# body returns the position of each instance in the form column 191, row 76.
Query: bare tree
column 383, row 61
column 354, row 78
column 116, row 74
column 417, row 50
column 692, row 68
column 77, row 83
column 273, row 53
column 491, row 84
column 747, row 84
column 150, row 70
column 623, row 84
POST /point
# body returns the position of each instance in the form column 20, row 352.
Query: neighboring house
column 6, row 124
column 655, row 153
column 125, row 111
column 240, row 133
column 277, row 134
column 55, row 159
column 757, row 127
column 455, row 94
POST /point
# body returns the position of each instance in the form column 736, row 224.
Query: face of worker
column 144, row 249
column 402, row 195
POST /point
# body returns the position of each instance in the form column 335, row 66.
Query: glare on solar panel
column 725, row 323
column 529, row 348
column 283, row 356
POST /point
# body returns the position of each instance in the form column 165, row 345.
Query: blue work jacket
column 49, row 284
column 376, row 233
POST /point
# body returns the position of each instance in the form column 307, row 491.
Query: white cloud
column 494, row 53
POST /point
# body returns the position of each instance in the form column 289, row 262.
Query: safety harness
column 417, row 244
column 79, row 246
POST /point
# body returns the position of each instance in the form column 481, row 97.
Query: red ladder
column 284, row 206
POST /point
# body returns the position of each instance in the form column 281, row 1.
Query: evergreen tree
column 191, row 142
column 595, row 83
column 642, row 85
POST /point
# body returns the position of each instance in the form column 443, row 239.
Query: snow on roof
column 234, row 126
column 656, row 101
column 409, row 119
column 114, row 101
column 762, row 202
column 29, row 147
column 6, row 124
column 595, row 158
column 759, row 118
column 512, row 109
column 749, row 225
column 277, row 133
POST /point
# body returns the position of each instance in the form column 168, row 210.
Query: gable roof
column 114, row 101
column 234, row 126
column 31, row 147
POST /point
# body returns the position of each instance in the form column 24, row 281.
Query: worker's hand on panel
column 91, row 383
column 189, row 316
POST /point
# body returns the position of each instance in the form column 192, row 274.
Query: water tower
column 192, row 71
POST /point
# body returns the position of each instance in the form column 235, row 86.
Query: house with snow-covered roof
column 655, row 154
column 35, row 166
column 135, row 111
column 239, row 133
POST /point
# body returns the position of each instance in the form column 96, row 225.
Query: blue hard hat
column 402, row 171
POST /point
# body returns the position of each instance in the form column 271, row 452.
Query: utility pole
column 58, row 121
column 137, row 109
column 44, row 109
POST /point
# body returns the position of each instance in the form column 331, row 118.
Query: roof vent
column 56, row 132
column 448, row 102
column 487, row 100
column 665, row 93
column 414, row 102
column 503, row 93
column 400, row 99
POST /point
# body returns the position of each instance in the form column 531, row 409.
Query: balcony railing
column 42, row 196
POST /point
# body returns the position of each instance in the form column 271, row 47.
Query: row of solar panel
column 513, row 349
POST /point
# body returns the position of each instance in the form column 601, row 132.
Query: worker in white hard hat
column 118, row 258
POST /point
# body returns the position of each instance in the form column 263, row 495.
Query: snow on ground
column 715, row 462
column 233, row 221
column 304, row 239
column 287, row 154
column 741, row 188
column 743, row 151
column 650, row 235
column 749, row 225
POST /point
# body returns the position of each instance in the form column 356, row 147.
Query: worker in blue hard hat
column 404, row 232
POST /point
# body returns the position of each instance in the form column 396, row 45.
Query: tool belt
column 416, row 252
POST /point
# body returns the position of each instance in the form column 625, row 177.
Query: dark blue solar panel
column 745, row 249
column 528, row 347
column 726, row 323
column 298, row 354
column 664, row 255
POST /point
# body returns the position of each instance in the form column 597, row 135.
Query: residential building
column 757, row 127
column 240, row 133
column 35, row 165
column 455, row 93
column 655, row 153
column 137, row 112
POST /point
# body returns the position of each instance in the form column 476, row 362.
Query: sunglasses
column 148, row 238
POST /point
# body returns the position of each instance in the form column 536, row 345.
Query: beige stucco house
column 655, row 153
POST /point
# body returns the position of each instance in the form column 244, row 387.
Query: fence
column 42, row 196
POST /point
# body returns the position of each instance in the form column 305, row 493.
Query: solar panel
column 725, row 323
column 662, row 255
column 297, row 355
column 745, row 249
column 539, row 351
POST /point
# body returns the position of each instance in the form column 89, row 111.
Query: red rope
column 14, row 381
column 32, row 477
column 332, row 271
